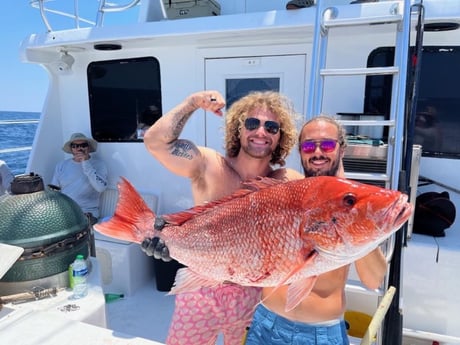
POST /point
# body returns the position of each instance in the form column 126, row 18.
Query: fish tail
column 133, row 220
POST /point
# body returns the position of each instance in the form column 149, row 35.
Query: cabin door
column 235, row 77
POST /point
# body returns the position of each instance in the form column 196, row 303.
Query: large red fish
column 268, row 234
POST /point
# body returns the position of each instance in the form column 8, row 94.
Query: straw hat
column 79, row 136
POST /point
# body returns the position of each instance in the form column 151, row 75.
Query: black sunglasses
column 82, row 145
column 251, row 123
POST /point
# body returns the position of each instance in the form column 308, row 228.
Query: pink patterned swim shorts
column 201, row 315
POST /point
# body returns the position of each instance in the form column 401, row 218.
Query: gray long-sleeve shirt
column 82, row 181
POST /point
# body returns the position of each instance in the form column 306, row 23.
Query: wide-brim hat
column 81, row 137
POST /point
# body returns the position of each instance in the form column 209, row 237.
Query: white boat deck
column 145, row 314
column 63, row 320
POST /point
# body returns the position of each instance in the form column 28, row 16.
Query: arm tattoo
column 179, row 120
column 181, row 148
column 184, row 149
column 179, row 123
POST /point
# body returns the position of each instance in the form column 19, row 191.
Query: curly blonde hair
column 272, row 101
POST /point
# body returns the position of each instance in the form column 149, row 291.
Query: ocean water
column 17, row 131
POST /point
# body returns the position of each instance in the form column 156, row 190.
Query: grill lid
column 36, row 217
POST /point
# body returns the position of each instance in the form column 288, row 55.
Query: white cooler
column 124, row 267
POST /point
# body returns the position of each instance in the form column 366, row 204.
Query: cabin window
column 239, row 87
column 124, row 98
column 437, row 122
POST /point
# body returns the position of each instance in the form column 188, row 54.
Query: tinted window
column 239, row 87
column 437, row 122
column 124, row 98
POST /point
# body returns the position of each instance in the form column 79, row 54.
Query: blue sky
column 24, row 85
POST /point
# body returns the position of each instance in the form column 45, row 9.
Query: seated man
column 82, row 177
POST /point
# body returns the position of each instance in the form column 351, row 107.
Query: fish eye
column 349, row 199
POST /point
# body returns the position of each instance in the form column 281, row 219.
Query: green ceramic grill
column 49, row 225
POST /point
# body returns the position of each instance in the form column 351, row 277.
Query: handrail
column 40, row 4
column 16, row 122
column 16, row 149
column 413, row 333
column 378, row 317
column 102, row 9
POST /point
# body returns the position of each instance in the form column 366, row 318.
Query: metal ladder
column 390, row 12
column 398, row 14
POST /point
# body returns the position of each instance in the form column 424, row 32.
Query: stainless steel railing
column 15, row 122
column 104, row 7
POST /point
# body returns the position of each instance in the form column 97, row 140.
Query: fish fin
column 187, row 281
column 132, row 220
column 298, row 290
column 259, row 183
column 248, row 187
column 179, row 218
column 295, row 290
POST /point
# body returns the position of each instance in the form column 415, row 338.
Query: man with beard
column 259, row 134
column 318, row 319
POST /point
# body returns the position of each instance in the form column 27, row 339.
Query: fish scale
column 270, row 233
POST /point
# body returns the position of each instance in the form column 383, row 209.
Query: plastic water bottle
column 80, row 275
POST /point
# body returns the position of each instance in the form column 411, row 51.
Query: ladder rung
column 391, row 18
column 367, row 176
column 359, row 71
column 366, row 14
column 389, row 123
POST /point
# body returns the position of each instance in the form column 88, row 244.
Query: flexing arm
column 180, row 156
column 371, row 268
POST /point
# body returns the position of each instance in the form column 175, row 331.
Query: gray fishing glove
column 155, row 246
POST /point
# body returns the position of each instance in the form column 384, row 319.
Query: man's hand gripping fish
column 269, row 233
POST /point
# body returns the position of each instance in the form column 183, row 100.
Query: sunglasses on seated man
column 82, row 145
column 251, row 123
column 325, row 145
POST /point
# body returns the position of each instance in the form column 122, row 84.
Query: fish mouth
column 404, row 210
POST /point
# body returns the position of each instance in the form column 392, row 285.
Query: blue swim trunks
column 268, row 328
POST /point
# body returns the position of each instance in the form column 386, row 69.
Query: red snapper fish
column 269, row 233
